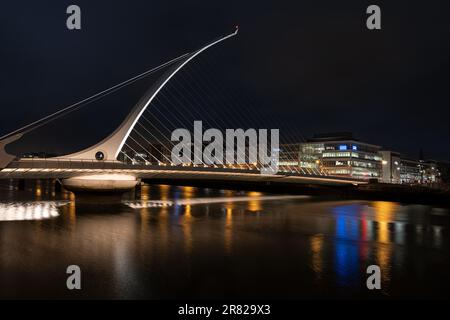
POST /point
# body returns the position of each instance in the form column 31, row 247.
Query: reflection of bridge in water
column 98, row 167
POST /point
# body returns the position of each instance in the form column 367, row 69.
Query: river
column 169, row 242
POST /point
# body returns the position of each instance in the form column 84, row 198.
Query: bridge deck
column 62, row 168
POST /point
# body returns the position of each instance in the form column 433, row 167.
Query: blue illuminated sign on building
column 343, row 147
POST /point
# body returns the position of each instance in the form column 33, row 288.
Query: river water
column 168, row 242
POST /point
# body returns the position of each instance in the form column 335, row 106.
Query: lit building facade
column 289, row 157
column 410, row 171
column 340, row 154
column 419, row 171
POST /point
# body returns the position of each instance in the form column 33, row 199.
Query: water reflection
column 187, row 228
column 145, row 192
column 254, row 204
column 377, row 229
column 188, row 192
column 355, row 226
column 346, row 249
column 254, row 201
column 36, row 210
column 181, row 242
column 38, row 189
column 228, row 232
column 316, row 250
column 69, row 211
column 164, row 192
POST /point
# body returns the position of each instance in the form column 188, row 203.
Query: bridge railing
column 54, row 163
column 63, row 168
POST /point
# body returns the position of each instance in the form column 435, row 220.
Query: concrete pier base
column 104, row 184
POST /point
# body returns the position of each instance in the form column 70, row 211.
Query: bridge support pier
column 104, row 183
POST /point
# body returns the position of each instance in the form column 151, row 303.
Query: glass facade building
column 340, row 154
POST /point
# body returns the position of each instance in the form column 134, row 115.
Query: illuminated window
column 335, row 154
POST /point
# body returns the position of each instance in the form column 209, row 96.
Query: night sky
column 312, row 63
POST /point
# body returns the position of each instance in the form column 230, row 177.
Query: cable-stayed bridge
column 139, row 148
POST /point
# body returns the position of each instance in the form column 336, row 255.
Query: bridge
column 108, row 166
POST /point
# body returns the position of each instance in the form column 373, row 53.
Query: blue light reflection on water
column 346, row 249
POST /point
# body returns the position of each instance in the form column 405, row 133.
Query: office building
column 340, row 154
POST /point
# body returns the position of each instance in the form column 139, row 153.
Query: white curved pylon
column 111, row 145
